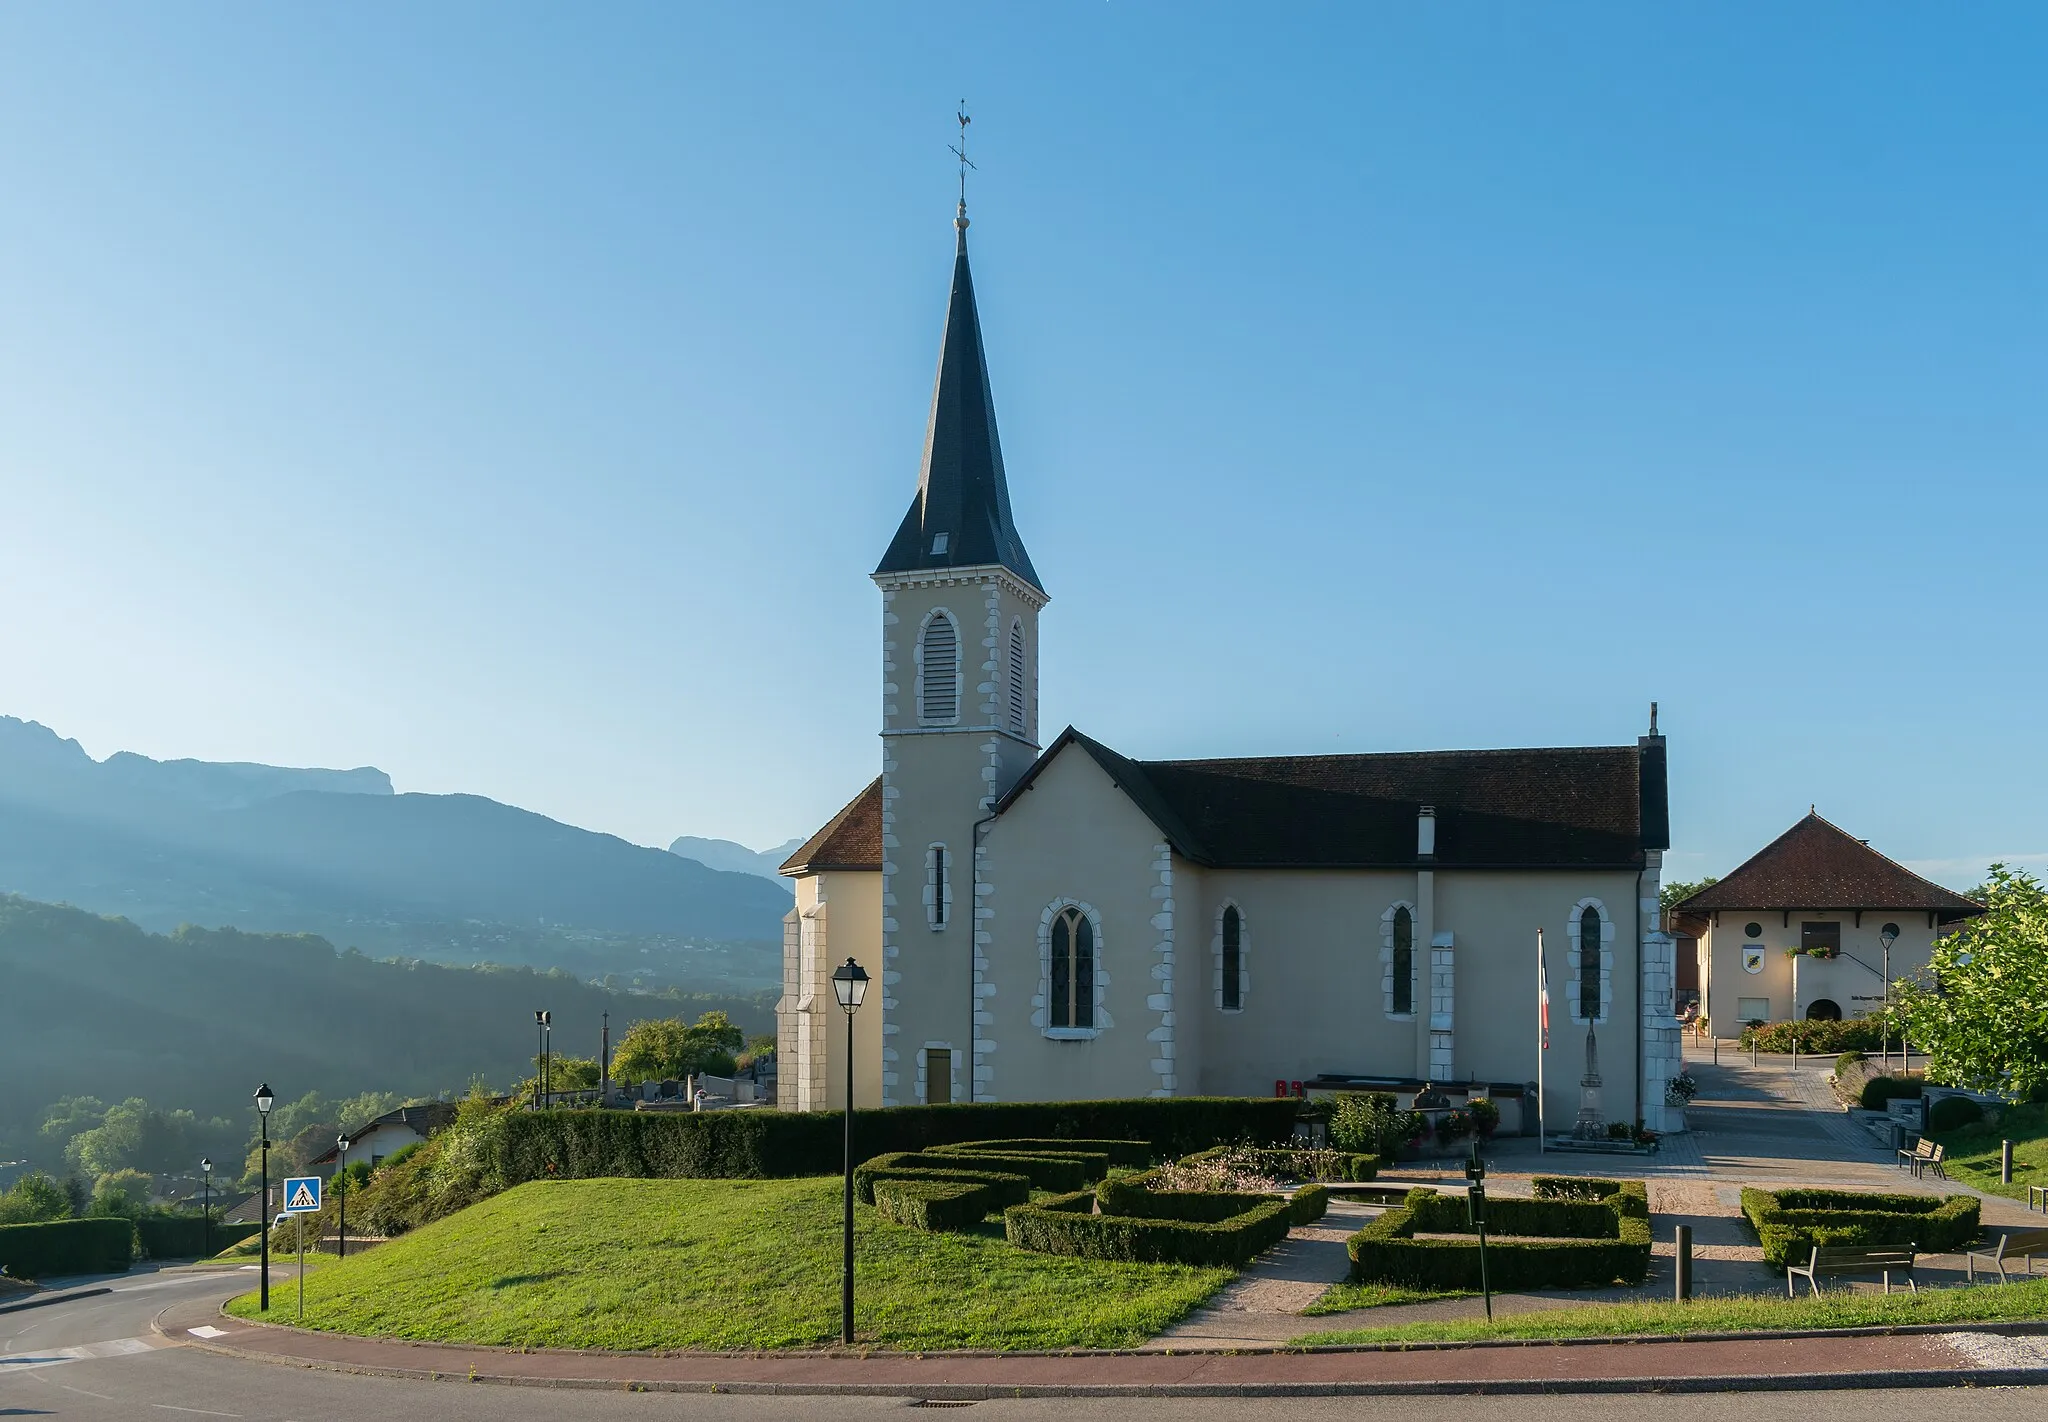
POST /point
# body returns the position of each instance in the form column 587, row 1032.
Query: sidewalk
column 1871, row 1360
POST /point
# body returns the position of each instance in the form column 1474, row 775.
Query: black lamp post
column 206, row 1201
column 265, row 1099
column 341, row 1145
column 1475, row 1205
column 543, row 1022
column 850, row 985
column 1888, row 936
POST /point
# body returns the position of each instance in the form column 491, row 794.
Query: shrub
column 1820, row 1038
column 1881, row 1089
column 1295, row 1162
column 1369, row 1123
column 1119, row 1152
column 168, row 1236
column 1952, row 1113
column 1062, row 1226
column 35, row 1199
column 1789, row 1223
column 93, row 1246
column 911, row 1165
column 930, row 1204
column 1849, row 1059
column 1308, row 1204
column 1485, row 1116
column 1610, row 1244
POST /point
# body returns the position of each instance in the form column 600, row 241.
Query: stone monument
column 1592, row 1122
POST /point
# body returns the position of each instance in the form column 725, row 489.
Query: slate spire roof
column 1818, row 866
column 960, row 517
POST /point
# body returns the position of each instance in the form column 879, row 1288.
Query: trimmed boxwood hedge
column 577, row 1144
column 1790, row 1223
column 1045, row 1172
column 933, row 1204
column 1119, row 1152
column 904, row 1165
column 59, row 1247
column 1281, row 1160
column 187, row 1237
column 1601, row 1241
column 1063, row 1225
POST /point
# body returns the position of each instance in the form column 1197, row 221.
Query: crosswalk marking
column 52, row 1357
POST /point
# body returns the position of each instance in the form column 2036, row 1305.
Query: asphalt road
column 97, row 1359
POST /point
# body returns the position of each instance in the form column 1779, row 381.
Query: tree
column 121, row 1192
column 664, row 1049
column 34, row 1199
column 1980, row 1012
column 1678, row 891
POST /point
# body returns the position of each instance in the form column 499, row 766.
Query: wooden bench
column 1924, row 1156
column 2024, row 1244
column 1882, row 1259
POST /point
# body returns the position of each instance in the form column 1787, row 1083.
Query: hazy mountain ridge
column 271, row 848
column 737, row 858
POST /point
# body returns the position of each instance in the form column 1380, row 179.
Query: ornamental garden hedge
column 1790, row 1223
column 60, row 1247
column 574, row 1144
column 1201, row 1227
column 1575, row 1233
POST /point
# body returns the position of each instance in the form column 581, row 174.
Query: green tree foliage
column 35, row 1199
column 120, row 1192
column 1678, row 891
column 664, row 1049
column 1981, row 1012
column 134, row 1135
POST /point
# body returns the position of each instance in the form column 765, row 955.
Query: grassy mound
column 1973, row 1152
column 740, row 1264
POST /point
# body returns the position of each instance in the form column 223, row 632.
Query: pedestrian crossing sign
column 302, row 1195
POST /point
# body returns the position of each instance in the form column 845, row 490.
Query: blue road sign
column 302, row 1195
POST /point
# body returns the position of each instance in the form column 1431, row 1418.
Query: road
column 97, row 1359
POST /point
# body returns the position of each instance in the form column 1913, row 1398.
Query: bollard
column 1684, row 1272
column 2005, row 1163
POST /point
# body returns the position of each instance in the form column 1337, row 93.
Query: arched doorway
column 1823, row 1009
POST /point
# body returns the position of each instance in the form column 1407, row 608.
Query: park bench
column 1924, row 1156
column 2024, row 1244
column 1846, row 1259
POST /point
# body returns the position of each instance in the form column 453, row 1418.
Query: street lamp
column 341, row 1145
column 544, row 1022
column 1889, row 935
column 206, row 1201
column 849, row 985
column 265, row 1099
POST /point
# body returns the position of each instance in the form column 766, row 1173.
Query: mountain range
column 452, row 877
column 737, row 858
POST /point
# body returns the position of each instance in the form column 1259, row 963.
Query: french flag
column 1542, row 990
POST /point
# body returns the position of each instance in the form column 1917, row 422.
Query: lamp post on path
column 206, row 1201
column 341, row 1145
column 265, row 1099
column 849, row 985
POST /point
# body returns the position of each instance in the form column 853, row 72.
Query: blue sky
column 516, row 397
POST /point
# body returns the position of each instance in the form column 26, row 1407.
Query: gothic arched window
column 1018, row 715
column 1233, row 959
column 1404, row 960
column 1072, row 995
column 938, row 667
column 1589, row 964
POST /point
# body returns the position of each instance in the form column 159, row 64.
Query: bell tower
column 960, row 604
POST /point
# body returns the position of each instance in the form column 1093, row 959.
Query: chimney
column 1425, row 833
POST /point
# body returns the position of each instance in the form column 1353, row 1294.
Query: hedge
column 572, row 1144
column 931, row 1204
column 187, row 1237
column 59, row 1247
column 1630, row 1197
column 1861, row 1034
column 1281, row 1160
column 1952, row 1113
column 1045, row 1172
column 1613, row 1241
column 1062, row 1225
column 865, row 1177
column 1790, row 1223
column 1119, row 1152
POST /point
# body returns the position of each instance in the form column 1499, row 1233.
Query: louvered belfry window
column 1589, row 964
column 940, row 698
column 1017, row 710
column 1404, row 961
column 1072, row 995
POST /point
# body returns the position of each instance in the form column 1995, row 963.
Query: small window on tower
column 939, row 542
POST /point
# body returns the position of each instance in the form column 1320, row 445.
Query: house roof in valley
column 1818, row 865
column 1564, row 807
column 423, row 1118
column 851, row 839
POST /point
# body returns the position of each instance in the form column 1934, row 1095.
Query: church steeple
column 960, row 516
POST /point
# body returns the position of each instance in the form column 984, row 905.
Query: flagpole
column 1542, row 1144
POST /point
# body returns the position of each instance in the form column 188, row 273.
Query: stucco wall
column 839, row 915
column 1854, row 981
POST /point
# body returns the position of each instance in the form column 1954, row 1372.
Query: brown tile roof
column 1575, row 807
column 851, row 839
column 1818, row 865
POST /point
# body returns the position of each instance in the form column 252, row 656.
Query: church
column 1048, row 919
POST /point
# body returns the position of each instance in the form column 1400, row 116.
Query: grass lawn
column 1342, row 1298
column 1973, row 1153
column 1988, row 1303
column 727, row 1264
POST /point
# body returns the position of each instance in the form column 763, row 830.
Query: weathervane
column 959, row 151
